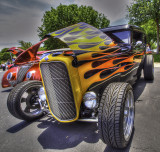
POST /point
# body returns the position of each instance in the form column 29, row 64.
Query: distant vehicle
column 90, row 82
column 25, row 67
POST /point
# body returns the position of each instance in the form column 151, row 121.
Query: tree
column 150, row 30
column 4, row 56
column 4, row 50
column 25, row 45
column 141, row 11
column 64, row 16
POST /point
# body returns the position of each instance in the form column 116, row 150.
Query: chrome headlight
column 9, row 76
column 28, row 76
column 90, row 100
column 41, row 94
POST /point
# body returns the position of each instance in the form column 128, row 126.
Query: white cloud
column 19, row 20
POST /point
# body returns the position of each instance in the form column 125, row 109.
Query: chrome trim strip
column 88, row 120
column 129, row 72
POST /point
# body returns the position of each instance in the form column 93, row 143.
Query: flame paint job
column 102, row 59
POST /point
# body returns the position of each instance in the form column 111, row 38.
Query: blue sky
column 19, row 19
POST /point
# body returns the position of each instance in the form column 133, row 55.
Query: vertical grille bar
column 58, row 89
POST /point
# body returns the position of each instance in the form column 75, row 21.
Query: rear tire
column 115, row 119
column 15, row 101
column 149, row 67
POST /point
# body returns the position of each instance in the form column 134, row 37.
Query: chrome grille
column 22, row 72
column 58, row 89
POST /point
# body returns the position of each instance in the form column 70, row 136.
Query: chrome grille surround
column 58, row 90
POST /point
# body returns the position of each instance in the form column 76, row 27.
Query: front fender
column 5, row 83
column 35, row 73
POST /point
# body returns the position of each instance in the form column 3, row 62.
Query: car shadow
column 66, row 135
column 23, row 124
column 8, row 90
column 18, row 127
column 138, row 88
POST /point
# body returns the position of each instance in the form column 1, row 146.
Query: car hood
column 16, row 51
column 29, row 54
column 83, row 36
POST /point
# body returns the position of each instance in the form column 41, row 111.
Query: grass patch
column 156, row 57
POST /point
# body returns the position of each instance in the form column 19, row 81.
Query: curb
column 156, row 64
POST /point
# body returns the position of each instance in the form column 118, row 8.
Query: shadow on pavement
column 8, row 90
column 66, row 135
column 18, row 127
column 138, row 88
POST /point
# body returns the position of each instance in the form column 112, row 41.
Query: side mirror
column 138, row 43
column 138, row 46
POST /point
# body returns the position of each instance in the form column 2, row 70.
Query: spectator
column 8, row 62
column 3, row 67
column 148, row 48
column 13, row 59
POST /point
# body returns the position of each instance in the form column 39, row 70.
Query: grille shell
column 58, row 90
column 22, row 72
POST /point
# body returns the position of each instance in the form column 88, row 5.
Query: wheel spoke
column 29, row 102
column 23, row 100
column 25, row 95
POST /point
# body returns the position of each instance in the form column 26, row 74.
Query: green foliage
column 42, row 49
column 146, row 13
column 25, row 45
column 150, row 30
column 64, row 16
column 4, row 56
column 156, row 57
column 4, row 50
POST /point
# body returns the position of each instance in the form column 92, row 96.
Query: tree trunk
column 157, row 23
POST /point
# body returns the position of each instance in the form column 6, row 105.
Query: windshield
column 124, row 36
column 120, row 36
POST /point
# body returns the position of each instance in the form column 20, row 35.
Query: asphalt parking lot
column 46, row 134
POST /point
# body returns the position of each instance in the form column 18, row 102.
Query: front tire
column 116, row 115
column 22, row 101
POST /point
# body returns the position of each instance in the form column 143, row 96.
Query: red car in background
column 25, row 67
column 16, row 51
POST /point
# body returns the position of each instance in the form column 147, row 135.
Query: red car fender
column 33, row 73
column 9, row 66
column 5, row 83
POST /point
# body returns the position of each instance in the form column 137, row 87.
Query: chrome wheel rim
column 128, row 121
column 29, row 101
